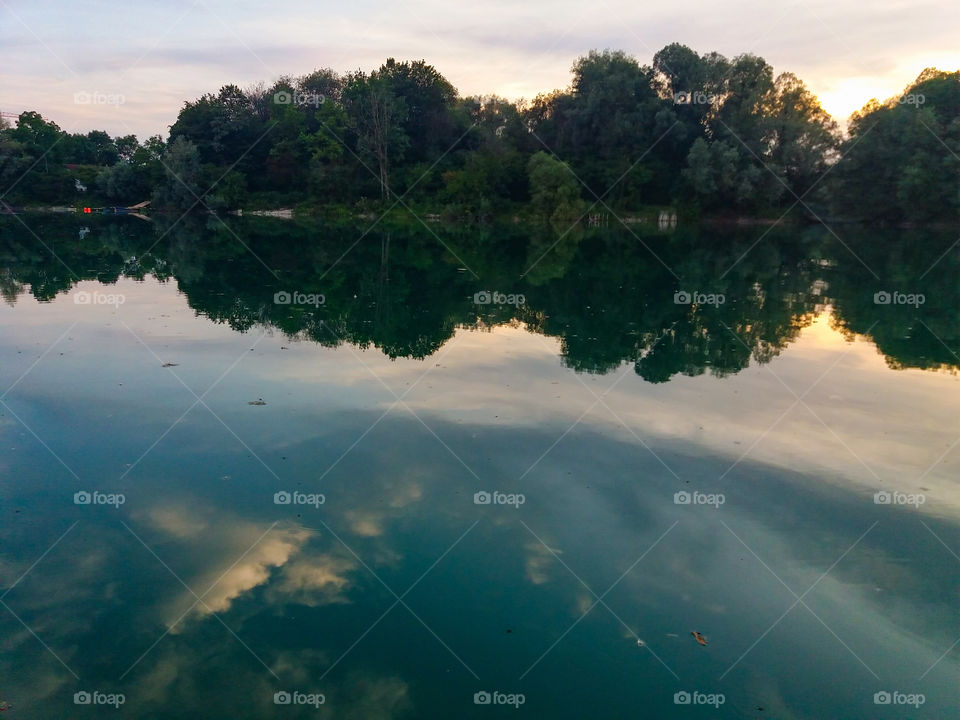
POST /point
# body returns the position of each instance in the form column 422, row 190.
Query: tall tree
column 377, row 115
column 901, row 160
column 180, row 189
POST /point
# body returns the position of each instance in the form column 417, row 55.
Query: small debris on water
column 641, row 643
column 698, row 637
column 258, row 401
column 169, row 365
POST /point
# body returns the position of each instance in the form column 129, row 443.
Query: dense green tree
column 901, row 160
column 13, row 162
column 126, row 146
column 225, row 127
column 723, row 175
column 554, row 191
column 119, row 183
column 428, row 98
column 139, row 170
column 605, row 125
column 707, row 133
column 40, row 139
column 377, row 115
column 802, row 137
column 493, row 158
column 180, row 189
column 692, row 85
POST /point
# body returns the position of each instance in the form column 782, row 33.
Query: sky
column 128, row 68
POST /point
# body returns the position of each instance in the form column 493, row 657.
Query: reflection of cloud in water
column 239, row 555
column 273, row 551
column 177, row 523
column 177, row 670
column 539, row 562
column 318, row 580
column 365, row 698
column 365, row 524
column 401, row 493
column 856, row 409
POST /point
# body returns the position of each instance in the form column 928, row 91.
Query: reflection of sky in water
column 299, row 586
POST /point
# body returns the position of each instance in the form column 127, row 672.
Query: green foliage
column 180, row 189
column 603, row 125
column 229, row 193
column 597, row 291
column 712, row 134
column 377, row 115
column 901, row 162
column 554, row 190
column 118, row 183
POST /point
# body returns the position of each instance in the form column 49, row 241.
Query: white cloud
column 168, row 53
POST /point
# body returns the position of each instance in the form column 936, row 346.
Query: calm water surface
column 587, row 415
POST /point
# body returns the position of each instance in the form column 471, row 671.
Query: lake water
column 477, row 472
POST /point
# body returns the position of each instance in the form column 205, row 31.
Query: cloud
column 514, row 49
column 238, row 556
column 315, row 580
column 539, row 562
column 253, row 570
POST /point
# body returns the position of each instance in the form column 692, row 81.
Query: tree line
column 701, row 132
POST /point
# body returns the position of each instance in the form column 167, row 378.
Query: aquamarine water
column 483, row 472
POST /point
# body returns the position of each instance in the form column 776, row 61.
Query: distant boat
column 121, row 210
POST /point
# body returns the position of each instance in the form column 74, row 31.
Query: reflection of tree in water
column 10, row 289
column 926, row 263
column 551, row 251
column 607, row 295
